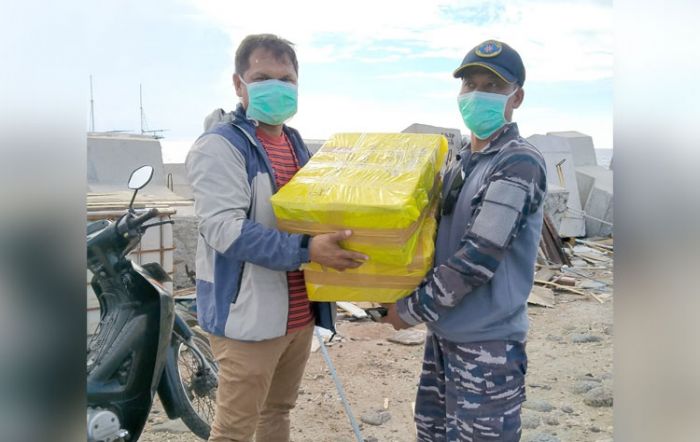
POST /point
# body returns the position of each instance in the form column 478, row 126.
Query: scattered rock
column 599, row 397
column 607, row 376
column 594, row 429
column 529, row 420
column 584, row 338
column 587, row 377
column 174, row 426
column 376, row 417
column 582, row 387
column 371, row 439
column 538, row 405
column 554, row 338
column 567, row 409
column 551, row 420
column 408, row 337
column 544, row 387
column 541, row 437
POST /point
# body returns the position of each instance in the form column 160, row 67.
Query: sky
column 372, row 66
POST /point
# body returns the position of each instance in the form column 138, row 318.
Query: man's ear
column 518, row 98
column 237, row 85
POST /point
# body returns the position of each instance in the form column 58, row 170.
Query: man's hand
column 392, row 317
column 325, row 250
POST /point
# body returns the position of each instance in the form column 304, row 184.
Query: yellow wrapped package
column 373, row 281
column 376, row 184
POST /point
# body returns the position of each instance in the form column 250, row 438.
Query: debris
column 585, row 338
column 596, row 245
column 569, row 289
column 554, row 338
column 594, row 285
column 566, row 280
column 386, row 403
column 541, row 296
column 375, row 417
column 408, row 337
column 551, row 243
column 355, row 311
column 545, row 274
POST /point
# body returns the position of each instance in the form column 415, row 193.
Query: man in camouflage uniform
column 474, row 301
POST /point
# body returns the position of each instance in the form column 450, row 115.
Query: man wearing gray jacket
column 251, row 295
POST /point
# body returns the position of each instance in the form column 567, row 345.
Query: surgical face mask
column 483, row 112
column 271, row 101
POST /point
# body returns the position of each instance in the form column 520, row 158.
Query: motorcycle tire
column 187, row 385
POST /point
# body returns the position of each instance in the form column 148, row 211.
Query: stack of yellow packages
column 384, row 188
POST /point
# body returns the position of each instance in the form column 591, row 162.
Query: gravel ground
column 569, row 379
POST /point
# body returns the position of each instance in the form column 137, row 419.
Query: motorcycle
column 146, row 342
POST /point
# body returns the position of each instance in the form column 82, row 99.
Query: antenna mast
column 141, row 109
column 144, row 130
column 92, row 109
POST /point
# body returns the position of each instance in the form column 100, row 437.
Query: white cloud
column 567, row 40
column 558, row 40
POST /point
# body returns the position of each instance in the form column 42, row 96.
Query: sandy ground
column 569, row 378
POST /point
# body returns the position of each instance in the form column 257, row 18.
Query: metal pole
column 339, row 387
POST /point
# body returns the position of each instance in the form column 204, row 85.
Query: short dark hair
column 279, row 47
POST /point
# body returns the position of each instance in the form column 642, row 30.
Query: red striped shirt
column 285, row 165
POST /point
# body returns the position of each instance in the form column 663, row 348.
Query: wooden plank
column 545, row 274
column 569, row 289
column 541, row 296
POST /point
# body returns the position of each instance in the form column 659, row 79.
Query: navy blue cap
column 497, row 57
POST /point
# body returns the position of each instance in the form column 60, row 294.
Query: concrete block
column 580, row 145
column 600, row 205
column 588, row 176
column 112, row 157
column 454, row 137
column 555, row 149
column 555, row 204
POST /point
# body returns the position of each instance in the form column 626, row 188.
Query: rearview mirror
column 140, row 177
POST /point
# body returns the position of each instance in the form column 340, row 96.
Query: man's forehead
column 264, row 55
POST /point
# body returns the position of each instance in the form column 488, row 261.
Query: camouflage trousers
column 471, row 392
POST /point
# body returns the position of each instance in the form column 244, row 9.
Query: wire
column 581, row 212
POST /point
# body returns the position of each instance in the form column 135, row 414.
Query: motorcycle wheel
column 196, row 396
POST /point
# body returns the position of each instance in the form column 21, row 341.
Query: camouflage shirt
column 486, row 245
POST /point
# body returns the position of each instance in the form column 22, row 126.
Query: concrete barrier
column 556, row 150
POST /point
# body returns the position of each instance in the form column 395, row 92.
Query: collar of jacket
column 509, row 132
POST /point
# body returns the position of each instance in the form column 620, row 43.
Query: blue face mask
column 483, row 112
column 271, row 101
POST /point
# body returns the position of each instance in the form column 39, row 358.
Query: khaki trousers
column 258, row 386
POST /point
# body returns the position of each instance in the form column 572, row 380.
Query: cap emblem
column 488, row 49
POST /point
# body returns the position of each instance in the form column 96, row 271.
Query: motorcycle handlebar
column 131, row 222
